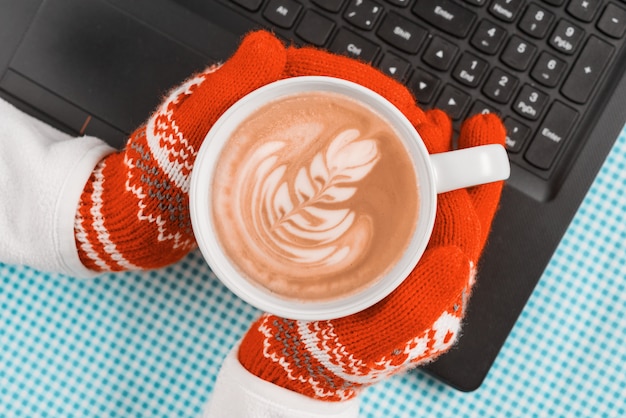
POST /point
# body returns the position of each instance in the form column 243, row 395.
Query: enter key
column 551, row 136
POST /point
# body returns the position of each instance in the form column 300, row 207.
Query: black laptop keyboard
column 540, row 65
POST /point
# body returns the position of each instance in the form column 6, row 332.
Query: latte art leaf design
column 306, row 219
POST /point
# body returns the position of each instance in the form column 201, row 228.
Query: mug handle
column 470, row 167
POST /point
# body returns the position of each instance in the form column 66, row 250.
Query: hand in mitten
column 134, row 210
column 332, row 360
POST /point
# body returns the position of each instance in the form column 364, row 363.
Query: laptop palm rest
column 99, row 69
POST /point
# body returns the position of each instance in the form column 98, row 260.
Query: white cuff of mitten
column 239, row 393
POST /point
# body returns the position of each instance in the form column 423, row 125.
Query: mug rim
column 202, row 215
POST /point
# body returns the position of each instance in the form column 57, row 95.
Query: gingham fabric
column 150, row 344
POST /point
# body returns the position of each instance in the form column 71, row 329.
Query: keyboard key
column 402, row 33
column 587, row 70
column 446, row 15
column 551, row 135
column 516, row 134
column 470, row 69
column 613, row 21
column 536, row 21
column 566, row 37
column 488, row 37
column 395, row 66
column 440, row 53
column 500, row 86
column 584, row 10
column 548, row 69
column 315, row 28
column 330, row 5
column 506, row 10
column 453, row 101
column 424, row 85
column 518, row 53
column 282, row 13
column 350, row 44
column 363, row 13
column 530, row 102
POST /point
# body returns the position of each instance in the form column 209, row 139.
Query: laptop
column 552, row 69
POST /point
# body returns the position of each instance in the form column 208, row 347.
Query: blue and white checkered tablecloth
column 139, row 345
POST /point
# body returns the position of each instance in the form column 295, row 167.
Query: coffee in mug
column 314, row 196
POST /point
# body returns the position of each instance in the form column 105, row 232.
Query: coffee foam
column 315, row 197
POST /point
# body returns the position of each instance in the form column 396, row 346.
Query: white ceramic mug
column 435, row 174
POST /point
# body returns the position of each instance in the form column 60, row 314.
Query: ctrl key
column 551, row 136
